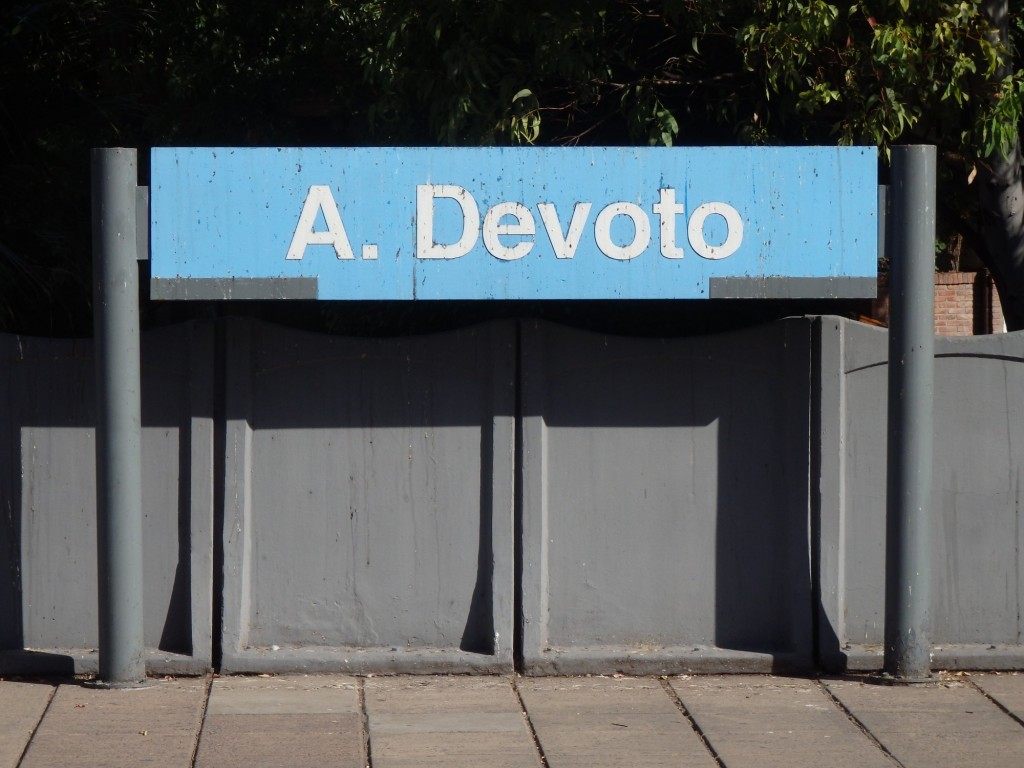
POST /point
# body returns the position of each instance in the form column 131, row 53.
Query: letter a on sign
column 320, row 200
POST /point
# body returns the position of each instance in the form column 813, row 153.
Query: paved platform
column 395, row 722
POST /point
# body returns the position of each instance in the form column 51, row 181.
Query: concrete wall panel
column 48, row 597
column 665, row 513
column 368, row 512
column 976, row 500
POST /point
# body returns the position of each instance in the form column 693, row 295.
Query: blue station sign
column 513, row 223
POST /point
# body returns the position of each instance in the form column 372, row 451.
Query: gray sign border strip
column 244, row 288
column 793, row 288
column 252, row 288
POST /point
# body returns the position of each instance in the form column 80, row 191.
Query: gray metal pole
column 119, row 422
column 911, row 250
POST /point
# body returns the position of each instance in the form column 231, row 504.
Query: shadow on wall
column 671, row 506
column 375, row 473
column 763, row 596
column 48, row 598
column 674, row 506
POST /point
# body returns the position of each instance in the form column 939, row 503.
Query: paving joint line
column 365, row 720
column 672, row 694
column 529, row 723
column 202, row 721
column 35, row 728
column 1005, row 710
column 836, row 702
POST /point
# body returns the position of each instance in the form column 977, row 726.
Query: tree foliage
column 693, row 71
column 887, row 72
column 86, row 73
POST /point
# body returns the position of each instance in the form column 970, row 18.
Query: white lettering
column 641, row 231
column 426, row 248
column 513, row 219
column 564, row 246
column 666, row 209
column 494, row 228
column 734, row 225
column 320, row 200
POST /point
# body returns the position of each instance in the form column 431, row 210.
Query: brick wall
column 966, row 304
column 996, row 322
column 955, row 302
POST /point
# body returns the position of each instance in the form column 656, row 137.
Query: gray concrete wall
column 977, row 538
column 369, row 501
column 665, row 500
column 439, row 503
column 48, row 596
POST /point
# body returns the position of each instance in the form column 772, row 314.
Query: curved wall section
column 977, row 498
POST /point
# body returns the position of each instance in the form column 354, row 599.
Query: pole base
column 885, row 678
column 118, row 685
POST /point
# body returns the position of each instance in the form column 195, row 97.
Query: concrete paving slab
column 293, row 720
column 949, row 725
column 21, row 707
column 283, row 694
column 449, row 721
column 1007, row 689
column 764, row 722
column 271, row 741
column 426, row 693
column 607, row 721
column 86, row 727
